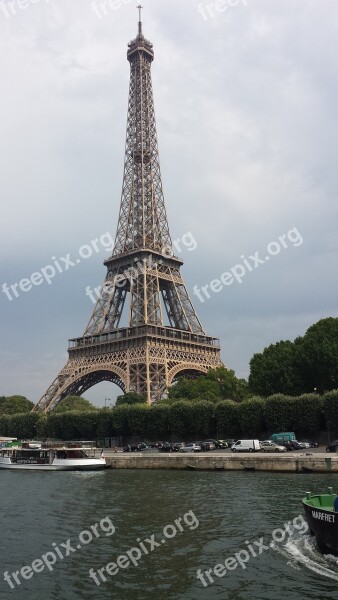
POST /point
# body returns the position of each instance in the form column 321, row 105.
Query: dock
column 286, row 463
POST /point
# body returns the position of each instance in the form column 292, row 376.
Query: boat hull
column 52, row 468
column 94, row 465
column 323, row 525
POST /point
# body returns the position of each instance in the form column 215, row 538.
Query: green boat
column 322, row 520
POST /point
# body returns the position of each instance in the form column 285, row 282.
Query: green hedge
column 306, row 415
column 251, row 416
column 227, row 418
column 278, row 413
column 303, row 414
column 22, row 425
column 330, row 409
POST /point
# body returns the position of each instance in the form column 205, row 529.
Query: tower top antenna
column 139, row 8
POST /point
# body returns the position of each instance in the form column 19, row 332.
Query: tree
column 214, row 386
column 308, row 364
column 130, row 398
column 230, row 387
column 273, row 371
column 15, row 405
column 316, row 356
column 74, row 404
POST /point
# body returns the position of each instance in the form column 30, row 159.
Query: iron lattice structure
column 164, row 337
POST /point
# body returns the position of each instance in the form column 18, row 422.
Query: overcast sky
column 246, row 106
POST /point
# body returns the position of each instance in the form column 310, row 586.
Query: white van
column 246, row 446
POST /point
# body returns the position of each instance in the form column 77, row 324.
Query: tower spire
column 139, row 8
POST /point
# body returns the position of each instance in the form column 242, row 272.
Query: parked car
column 192, row 447
column 166, row 447
column 217, row 443
column 207, row 445
column 177, row 446
column 292, row 445
column 135, row 447
column 332, row 447
column 246, row 446
column 296, row 445
column 304, row 445
column 229, row 442
column 268, row 446
column 310, row 444
column 222, row 444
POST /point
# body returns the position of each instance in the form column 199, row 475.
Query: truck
column 288, row 436
column 246, row 446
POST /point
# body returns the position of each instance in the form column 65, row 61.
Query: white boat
column 50, row 459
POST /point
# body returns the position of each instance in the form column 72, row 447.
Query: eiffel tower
column 143, row 276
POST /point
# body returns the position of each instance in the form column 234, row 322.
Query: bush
column 157, row 426
column 330, row 404
column 302, row 414
column 4, row 420
column 104, row 423
column 278, row 413
column 72, row 425
column 181, row 418
column 42, row 427
column 119, row 420
column 251, row 416
column 227, row 418
column 23, row 426
column 307, row 414
column 203, row 421
column 137, row 416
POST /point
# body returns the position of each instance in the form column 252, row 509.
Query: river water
column 221, row 514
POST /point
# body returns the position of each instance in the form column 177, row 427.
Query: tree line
column 308, row 364
column 182, row 419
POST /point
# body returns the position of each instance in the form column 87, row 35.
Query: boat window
column 61, row 454
column 76, row 454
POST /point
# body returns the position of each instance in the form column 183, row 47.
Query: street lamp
column 105, row 402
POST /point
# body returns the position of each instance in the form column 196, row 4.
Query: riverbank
column 286, row 463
